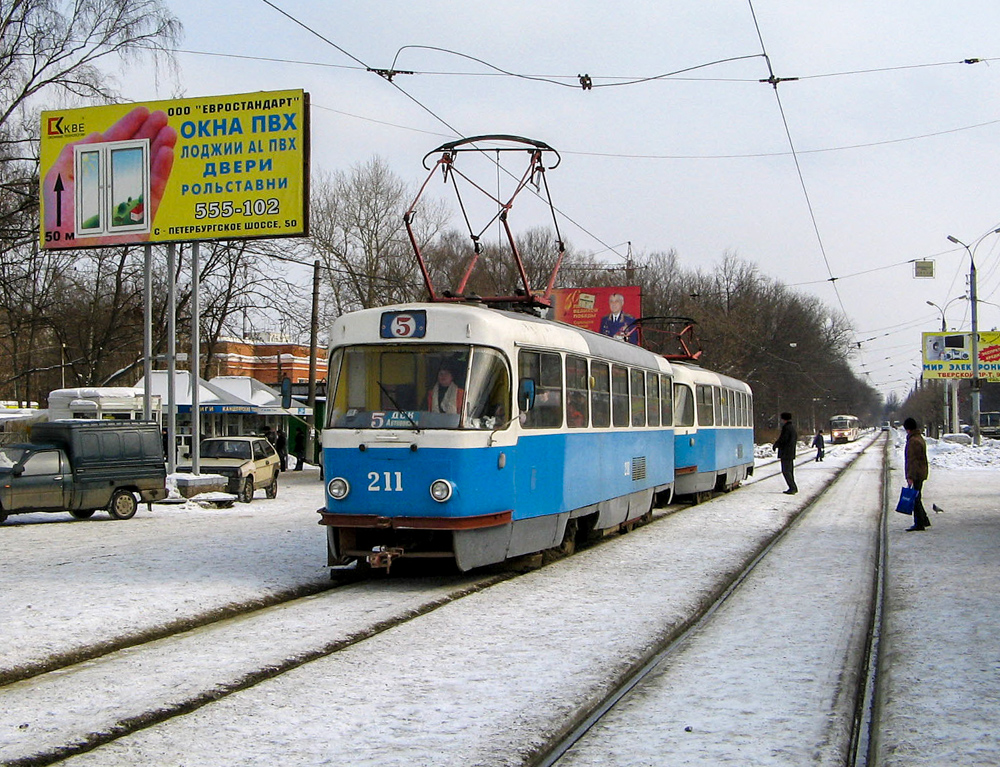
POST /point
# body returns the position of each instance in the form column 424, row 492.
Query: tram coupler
column 383, row 556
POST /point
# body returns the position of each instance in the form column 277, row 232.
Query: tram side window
column 619, row 395
column 638, row 397
column 732, row 396
column 577, row 404
column 706, row 412
column 722, row 413
column 666, row 401
column 546, row 371
column 652, row 399
column 600, row 397
column 683, row 405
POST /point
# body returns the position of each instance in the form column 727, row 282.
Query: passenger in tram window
column 576, row 410
column 819, row 444
column 445, row 396
column 785, row 445
column 916, row 470
column 547, row 412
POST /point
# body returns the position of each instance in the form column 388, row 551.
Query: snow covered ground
column 939, row 701
column 72, row 583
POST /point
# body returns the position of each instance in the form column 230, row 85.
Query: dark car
column 81, row 466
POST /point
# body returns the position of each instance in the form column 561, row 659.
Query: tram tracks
column 131, row 688
column 592, row 738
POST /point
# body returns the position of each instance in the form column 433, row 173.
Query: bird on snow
column 937, row 508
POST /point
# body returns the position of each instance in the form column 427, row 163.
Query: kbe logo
column 55, row 126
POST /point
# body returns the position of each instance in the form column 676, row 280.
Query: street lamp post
column 976, row 391
column 950, row 424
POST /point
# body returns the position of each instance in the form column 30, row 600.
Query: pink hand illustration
column 60, row 182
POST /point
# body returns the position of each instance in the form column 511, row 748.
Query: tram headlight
column 441, row 490
column 338, row 488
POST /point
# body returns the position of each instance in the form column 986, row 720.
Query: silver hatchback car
column 247, row 462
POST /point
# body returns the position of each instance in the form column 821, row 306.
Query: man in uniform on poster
column 616, row 323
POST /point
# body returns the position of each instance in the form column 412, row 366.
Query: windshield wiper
column 392, row 399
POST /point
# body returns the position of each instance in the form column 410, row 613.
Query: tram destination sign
column 214, row 168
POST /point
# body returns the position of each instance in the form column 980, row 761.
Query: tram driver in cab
column 445, row 396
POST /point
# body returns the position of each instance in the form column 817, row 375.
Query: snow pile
column 950, row 455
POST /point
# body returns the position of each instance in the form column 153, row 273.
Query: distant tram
column 844, row 428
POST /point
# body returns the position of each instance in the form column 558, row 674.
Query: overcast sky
column 896, row 138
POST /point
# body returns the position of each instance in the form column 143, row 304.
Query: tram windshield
column 419, row 386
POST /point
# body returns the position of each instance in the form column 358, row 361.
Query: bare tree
column 58, row 47
column 53, row 49
column 358, row 234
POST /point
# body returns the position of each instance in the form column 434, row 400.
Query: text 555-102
column 226, row 208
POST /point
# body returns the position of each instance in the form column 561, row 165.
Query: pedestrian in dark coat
column 819, row 444
column 916, row 469
column 785, row 445
column 299, row 450
column 281, row 445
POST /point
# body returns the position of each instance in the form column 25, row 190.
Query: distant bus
column 844, row 428
column 989, row 424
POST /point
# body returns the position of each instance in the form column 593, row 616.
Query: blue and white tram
column 455, row 430
column 713, row 431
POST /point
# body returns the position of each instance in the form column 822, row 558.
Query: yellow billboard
column 949, row 355
column 213, row 168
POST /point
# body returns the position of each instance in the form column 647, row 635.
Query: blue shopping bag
column 907, row 499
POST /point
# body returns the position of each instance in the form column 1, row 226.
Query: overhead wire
column 775, row 81
column 421, row 105
column 626, row 80
column 574, row 80
column 584, row 81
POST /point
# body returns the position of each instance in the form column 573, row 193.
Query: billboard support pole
column 171, row 359
column 147, row 331
column 195, row 360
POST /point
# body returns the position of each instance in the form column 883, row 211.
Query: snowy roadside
column 939, row 684
column 71, row 584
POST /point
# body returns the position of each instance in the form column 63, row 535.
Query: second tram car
column 713, row 431
column 844, row 428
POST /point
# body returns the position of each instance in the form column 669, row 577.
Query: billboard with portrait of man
column 611, row 311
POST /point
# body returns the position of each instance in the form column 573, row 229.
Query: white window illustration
column 112, row 187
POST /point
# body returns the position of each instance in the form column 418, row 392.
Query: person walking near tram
column 916, row 469
column 819, row 444
column 785, row 445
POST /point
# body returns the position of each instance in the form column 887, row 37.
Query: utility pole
column 976, row 382
column 313, row 334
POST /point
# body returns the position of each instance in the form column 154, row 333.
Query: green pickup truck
column 81, row 466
